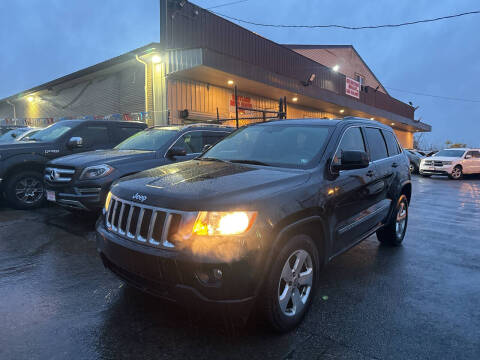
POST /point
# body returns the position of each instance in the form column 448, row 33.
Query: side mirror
column 351, row 160
column 75, row 142
column 206, row 147
column 176, row 151
column 468, row 156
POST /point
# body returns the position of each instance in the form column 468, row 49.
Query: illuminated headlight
column 446, row 162
column 95, row 172
column 213, row 223
column 107, row 202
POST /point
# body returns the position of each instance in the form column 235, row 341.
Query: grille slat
column 139, row 225
column 142, row 223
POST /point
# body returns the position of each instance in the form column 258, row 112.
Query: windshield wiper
column 251, row 162
column 211, row 159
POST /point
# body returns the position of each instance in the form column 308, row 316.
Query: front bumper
column 177, row 276
column 435, row 170
column 89, row 197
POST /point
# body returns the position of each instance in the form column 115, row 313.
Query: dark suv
column 257, row 216
column 22, row 163
column 81, row 182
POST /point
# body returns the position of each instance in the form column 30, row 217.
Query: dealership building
column 192, row 74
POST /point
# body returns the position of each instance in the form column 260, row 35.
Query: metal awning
column 213, row 68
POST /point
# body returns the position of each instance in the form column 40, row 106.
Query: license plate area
column 51, row 195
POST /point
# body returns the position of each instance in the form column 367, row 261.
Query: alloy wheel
column 295, row 283
column 29, row 190
column 401, row 220
column 456, row 173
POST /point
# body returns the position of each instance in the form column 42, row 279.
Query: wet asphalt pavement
column 419, row 301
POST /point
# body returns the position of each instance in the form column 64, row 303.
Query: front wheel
column 394, row 232
column 457, row 173
column 25, row 190
column 291, row 283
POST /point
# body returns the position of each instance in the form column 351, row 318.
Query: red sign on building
column 352, row 88
column 243, row 101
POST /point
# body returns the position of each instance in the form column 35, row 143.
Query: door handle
column 394, row 165
column 370, row 173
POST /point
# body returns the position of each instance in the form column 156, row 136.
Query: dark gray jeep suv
column 255, row 218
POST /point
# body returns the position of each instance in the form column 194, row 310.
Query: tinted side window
column 392, row 145
column 93, row 135
column 121, row 133
column 474, row 154
column 376, row 144
column 352, row 140
column 192, row 142
column 211, row 137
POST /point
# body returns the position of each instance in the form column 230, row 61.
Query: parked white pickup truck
column 452, row 162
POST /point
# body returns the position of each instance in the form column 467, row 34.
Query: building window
column 360, row 79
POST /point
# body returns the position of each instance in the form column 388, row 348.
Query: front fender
column 22, row 159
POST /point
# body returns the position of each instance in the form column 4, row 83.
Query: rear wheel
column 291, row 283
column 25, row 190
column 457, row 173
column 394, row 232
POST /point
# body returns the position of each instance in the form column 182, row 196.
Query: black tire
column 457, row 173
column 34, row 194
column 274, row 284
column 390, row 234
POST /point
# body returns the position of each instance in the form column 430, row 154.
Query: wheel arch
column 28, row 165
column 407, row 190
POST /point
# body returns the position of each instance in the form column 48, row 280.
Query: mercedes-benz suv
column 253, row 220
column 81, row 182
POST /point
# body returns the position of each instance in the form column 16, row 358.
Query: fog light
column 212, row 277
column 217, row 274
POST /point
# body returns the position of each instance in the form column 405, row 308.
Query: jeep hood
column 111, row 157
column 208, row 185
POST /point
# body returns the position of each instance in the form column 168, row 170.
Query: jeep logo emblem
column 139, row 197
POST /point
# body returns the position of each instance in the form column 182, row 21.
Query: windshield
column 27, row 135
column 450, row 153
column 51, row 133
column 12, row 134
column 276, row 145
column 150, row 139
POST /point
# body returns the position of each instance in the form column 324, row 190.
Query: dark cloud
column 45, row 39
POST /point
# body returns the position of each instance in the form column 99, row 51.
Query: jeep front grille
column 58, row 175
column 142, row 223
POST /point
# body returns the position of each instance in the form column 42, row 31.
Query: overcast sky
column 45, row 39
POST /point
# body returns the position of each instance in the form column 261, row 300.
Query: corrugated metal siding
column 178, row 60
column 193, row 27
column 99, row 94
column 187, row 30
column 405, row 138
column 204, row 98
